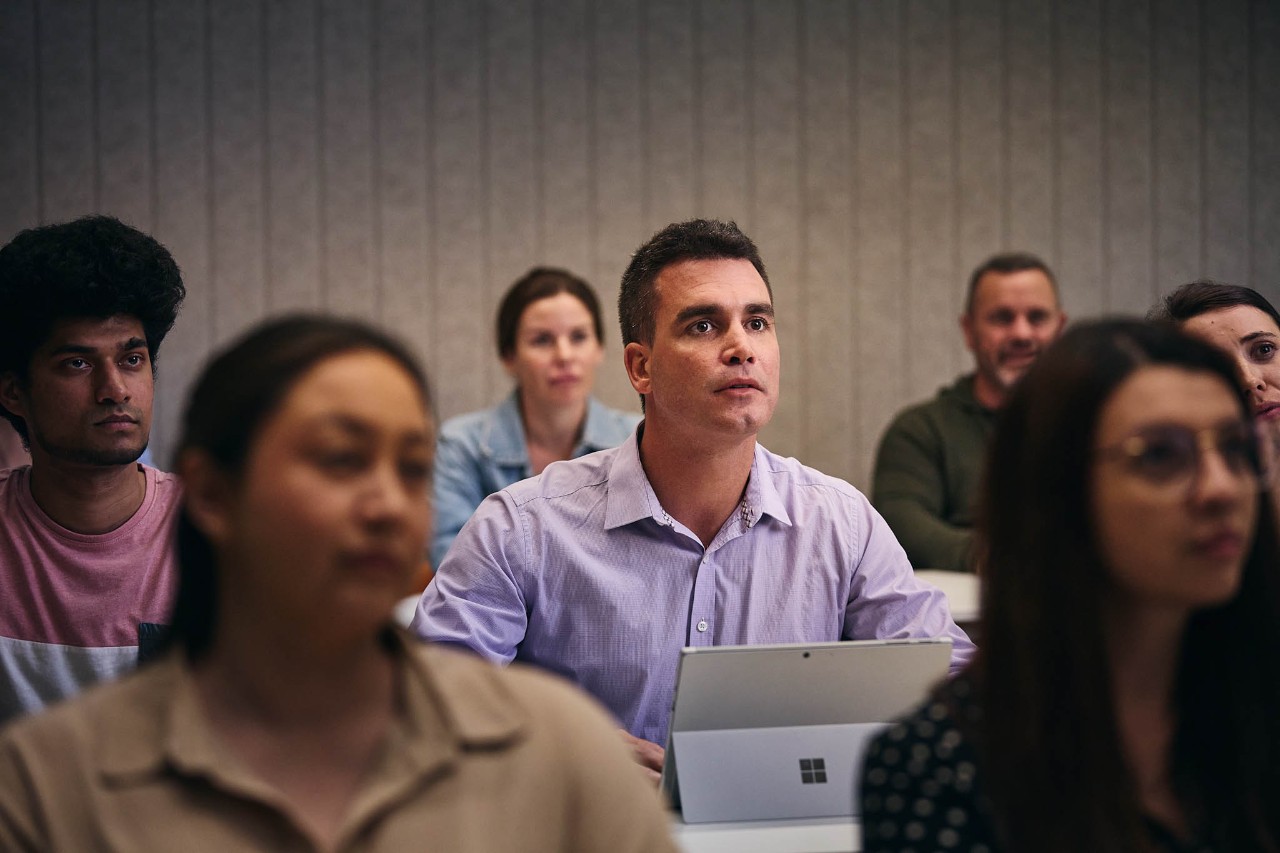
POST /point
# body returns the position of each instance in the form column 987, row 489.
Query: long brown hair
column 1048, row 738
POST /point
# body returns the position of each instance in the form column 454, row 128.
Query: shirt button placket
column 703, row 602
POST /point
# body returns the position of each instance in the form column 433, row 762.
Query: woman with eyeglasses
column 1126, row 696
column 290, row 713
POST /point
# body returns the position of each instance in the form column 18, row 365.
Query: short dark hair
column 232, row 399
column 695, row 240
column 541, row 283
column 95, row 266
column 1204, row 295
column 1004, row 264
column 1042, row 671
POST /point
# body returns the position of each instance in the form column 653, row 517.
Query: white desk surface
column 961, row 589
column 812, row 835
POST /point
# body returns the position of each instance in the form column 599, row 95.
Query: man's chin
column 97, row 457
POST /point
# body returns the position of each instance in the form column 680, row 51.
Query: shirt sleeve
column 458, row 491
column 887, row 600
column 908, row 489
column 476, row 599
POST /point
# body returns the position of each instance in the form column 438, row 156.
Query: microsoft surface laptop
column 770, row 732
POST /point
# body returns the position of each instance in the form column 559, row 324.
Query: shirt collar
column 504, row 439
column 631, row 496
column 449, row 707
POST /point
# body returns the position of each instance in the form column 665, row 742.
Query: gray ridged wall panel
column 404, row 160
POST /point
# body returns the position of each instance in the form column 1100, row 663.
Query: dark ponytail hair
column 232, row 399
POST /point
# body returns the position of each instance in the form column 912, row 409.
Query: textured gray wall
column 405, row 160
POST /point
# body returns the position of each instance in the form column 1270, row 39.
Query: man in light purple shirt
column 688, row 534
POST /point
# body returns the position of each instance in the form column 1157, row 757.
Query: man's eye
column 134, row 360
column 757, row 324
column 701, row 327
column 1264, row 351
column 76, row 363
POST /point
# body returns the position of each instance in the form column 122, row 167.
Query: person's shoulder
column 467, row 425
column 940, row 405
column 566, row 478
column 789, row 474
column 165, row 481
column 518, row 693
column 620, row 418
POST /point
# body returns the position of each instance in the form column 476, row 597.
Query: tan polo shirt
column 484, row 760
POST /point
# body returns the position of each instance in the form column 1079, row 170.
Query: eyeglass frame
column 1131, row 448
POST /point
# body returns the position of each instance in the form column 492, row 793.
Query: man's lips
column 116, row 419
column 740, row 385
column 1019, row 357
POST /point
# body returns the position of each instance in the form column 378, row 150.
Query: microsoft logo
column 813, row 771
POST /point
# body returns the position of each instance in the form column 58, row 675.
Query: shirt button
column 702, row 625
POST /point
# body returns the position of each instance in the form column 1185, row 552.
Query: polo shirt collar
column 445, row 713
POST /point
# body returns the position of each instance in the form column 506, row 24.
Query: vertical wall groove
column 421, row 205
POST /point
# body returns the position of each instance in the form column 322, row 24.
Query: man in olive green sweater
column 929, row 465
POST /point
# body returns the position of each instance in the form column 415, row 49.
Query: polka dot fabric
column 920, row 785
column 922, row 789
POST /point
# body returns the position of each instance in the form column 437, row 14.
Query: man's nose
column 738, row 348
column 111, row 387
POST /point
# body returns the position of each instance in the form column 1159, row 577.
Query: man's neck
column 988, row 395
column 697, row 485
column 85, row 498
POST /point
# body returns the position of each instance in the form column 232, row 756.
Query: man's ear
column 207, row 493
column 11, row 394
column 636, row 358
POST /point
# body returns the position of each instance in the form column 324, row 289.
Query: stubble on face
column 714, row 360
column 69, row 416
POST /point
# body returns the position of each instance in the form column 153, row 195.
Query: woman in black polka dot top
column 1127, row 693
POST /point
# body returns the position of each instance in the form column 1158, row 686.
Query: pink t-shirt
column 72, row 605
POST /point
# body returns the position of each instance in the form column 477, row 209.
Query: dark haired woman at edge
column 290, row 714
column 550, row 338
column 1127, row 692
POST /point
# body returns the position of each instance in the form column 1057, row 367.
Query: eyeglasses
column 1169, row 454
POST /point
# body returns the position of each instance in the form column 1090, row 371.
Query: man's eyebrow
column 705, row 310
column 709, row 310
column 1253, row 336
column 73, row 348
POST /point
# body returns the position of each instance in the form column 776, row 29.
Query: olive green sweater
column 928, row 471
